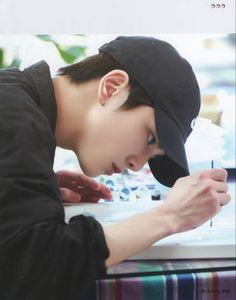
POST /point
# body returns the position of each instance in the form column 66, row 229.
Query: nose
column 136, row 163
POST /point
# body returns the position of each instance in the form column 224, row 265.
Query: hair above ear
column 97, row 66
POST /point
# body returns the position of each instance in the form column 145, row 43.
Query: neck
column 73, row 104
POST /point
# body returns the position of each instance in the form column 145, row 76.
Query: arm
column 191, row 202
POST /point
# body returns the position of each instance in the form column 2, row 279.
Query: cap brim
column 173, row 165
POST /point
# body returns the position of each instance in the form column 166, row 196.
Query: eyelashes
column 151, row 139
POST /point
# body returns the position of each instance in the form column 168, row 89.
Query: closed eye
column 151, row 139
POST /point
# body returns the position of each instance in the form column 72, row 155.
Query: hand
column 197, row 198
column 192, row 201
column 76, row 187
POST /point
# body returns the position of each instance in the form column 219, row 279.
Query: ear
column 111, row 83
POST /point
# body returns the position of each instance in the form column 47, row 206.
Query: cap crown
column 163, row 73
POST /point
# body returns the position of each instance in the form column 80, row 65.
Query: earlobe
column 110, row 84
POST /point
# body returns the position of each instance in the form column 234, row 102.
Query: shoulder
column 21, row 118
column 16, row 105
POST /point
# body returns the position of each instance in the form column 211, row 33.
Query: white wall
column 115, row 17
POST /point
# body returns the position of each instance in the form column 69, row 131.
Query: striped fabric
column 190, row 286
column 178, row 283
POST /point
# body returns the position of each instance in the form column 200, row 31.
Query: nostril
column 131, row 165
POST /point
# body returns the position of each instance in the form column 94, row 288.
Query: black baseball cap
column 173, row 89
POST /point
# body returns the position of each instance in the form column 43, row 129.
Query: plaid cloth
column 172, row 280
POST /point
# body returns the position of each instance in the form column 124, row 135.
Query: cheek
column 113, row 138
column 130, row 139
column 98, row 147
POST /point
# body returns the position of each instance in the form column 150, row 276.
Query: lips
column 116, row 169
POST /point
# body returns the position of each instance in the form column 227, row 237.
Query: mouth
column 115, row 168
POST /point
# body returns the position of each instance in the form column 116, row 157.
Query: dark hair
column 97, row 66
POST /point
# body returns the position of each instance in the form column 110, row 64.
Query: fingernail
column 98, row 186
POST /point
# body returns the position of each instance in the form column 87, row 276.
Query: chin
column 89, row 168
column 89, row 172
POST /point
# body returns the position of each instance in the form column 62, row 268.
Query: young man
column 134, row 102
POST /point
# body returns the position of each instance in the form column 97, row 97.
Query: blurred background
column 212, row 57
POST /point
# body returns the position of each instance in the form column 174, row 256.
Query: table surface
column 217, row 241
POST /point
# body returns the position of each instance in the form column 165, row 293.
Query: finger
column 215, row 174
column 224, row 199
column 90, row 200
column 218, row 174
column 104, row 189
column 69, row 196
column 87, row 193
column 221, row 187
column 85, row 181
column 72, row 179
